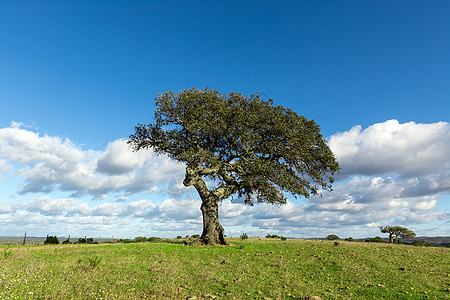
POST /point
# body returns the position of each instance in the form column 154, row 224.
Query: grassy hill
column 250, row 269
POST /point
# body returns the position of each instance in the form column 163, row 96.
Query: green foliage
column 86, row 241
column 332, row 237
column 376, row 239
column 248, row 145
column 244, row 236
column 140, row 239
column 418, row 243
column 7, row 253
column 272, row 236
column 179, row 237
column 397, row 231
column 349, row 239
column 89, row 262
column 52, row 240
column 195, row 236
column 336, row 244
column 283, row 238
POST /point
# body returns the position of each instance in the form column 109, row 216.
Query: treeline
column 378, row 239
column 53, row 240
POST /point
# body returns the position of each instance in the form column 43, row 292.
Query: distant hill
column 437, row 240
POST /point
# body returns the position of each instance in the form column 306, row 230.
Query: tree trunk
column 213, row 232
column 391, row 238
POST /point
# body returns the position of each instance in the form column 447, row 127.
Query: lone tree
column 396, row 231
column 244, row 146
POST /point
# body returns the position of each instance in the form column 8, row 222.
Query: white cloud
column 47, row 206
column 409, row 149
column 392, row 174
column 51, row 164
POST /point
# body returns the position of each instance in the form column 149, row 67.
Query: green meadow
column 248, row 269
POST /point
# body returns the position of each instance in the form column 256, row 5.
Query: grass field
column 250, row 269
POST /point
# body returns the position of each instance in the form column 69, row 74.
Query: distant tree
column 140, row 239
column 244, row 236
column 272, row 236
column 397, row 231
column 51, row 240
column 245, row 146
column 332, row 237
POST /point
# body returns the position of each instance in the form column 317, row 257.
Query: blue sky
column 76, row 77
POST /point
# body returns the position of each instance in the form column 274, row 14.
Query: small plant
column 89, row 263
column 244, row 236
column 283, row 238
column 94, row 262
column 336, row 244
column 7, row 253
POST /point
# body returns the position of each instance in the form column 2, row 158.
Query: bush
column 283, row 238
column 418, row 243
column 244, row 236
column 273, row 236
column 140, row 239
column 195, row 236
column 349, row 239
column 332, row 237
column 53, row 240
column 179, row 237
column 376, row 239
column 336, row 243
column 153, row 239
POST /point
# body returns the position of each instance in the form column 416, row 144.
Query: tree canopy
column 245, row 145
column 397, row 231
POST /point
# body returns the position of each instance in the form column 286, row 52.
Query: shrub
column 53, row 240
column 332, row 237
column 283, row 238
column 195, row 236
column 336, row 243
column 349, row 239
column 140, row 239
column 273, row 236
column 376, row 239
column 418, row 243
column 179, row 237
column 153, row 239
column 244, row 236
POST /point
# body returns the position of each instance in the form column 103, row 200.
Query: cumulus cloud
column 392, row 173
column 409, row 149
column 50, row 164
